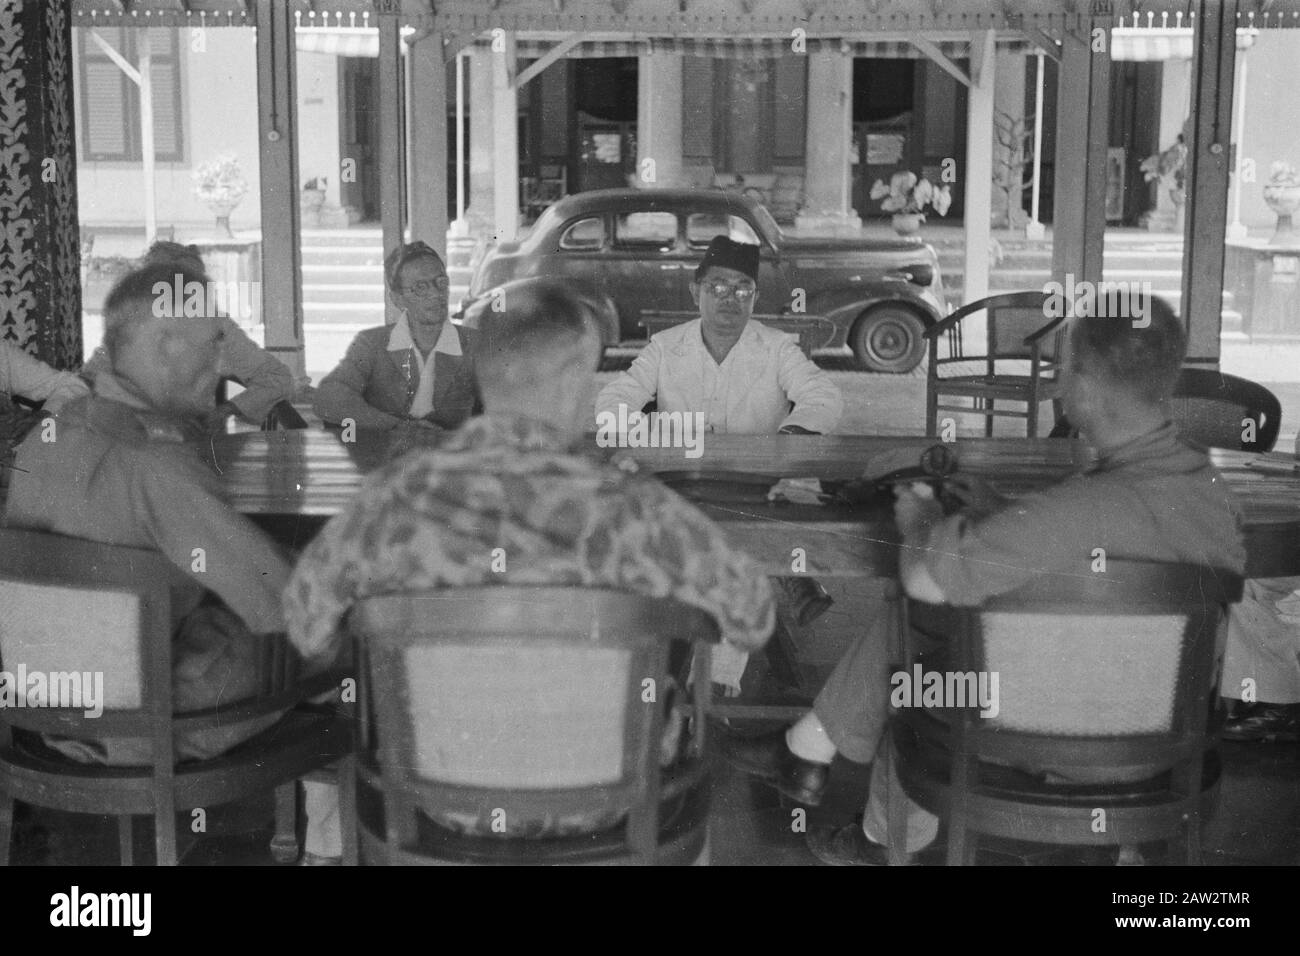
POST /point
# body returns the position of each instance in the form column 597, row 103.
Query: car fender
column 601, row 305
column 844, row 304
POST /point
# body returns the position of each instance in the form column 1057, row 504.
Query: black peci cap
column 728, row 254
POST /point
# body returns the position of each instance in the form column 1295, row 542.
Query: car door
column 648, row 268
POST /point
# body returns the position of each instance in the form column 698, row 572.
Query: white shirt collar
column 399, row 339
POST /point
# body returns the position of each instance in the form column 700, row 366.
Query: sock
column 808, row 739
column 324, row 836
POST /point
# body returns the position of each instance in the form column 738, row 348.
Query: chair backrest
column 1211, row 409
column 71, row 608
column 1093, row 670
column 1018, row 326
column 520, row 704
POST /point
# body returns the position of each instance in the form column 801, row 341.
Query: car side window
column 646, row 231
column 585, row 234
column 701, row 227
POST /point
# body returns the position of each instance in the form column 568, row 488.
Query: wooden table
column 292, row 481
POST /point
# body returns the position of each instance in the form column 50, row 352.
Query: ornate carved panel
column 40, row 285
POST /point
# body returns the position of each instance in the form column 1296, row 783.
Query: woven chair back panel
column 59, row 630
column 1084, row 675
column 518, row 718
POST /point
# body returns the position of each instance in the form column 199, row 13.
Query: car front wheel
column 888, row 339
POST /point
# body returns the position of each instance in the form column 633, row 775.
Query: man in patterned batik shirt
column 510, row 480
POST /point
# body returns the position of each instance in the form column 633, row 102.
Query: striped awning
column 1156, row 43
column 361, row 41
column 341, row 41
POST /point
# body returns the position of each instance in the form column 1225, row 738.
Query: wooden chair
column 1212, row 408
column 1018, row 334
column 1102, row 677
column 515, row 705
column 51, row 585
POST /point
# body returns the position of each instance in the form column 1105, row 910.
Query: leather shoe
column 769, row 758
column 1273, row 723
column 846, row 846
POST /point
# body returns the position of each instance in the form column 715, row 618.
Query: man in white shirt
column 744, row 377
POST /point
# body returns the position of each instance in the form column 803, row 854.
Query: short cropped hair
column 1142, row 361
column 537, row 322
column 141, row 286
column 175, row 253
column 409, row 252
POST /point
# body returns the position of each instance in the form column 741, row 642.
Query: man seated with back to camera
column 120, row 472
column 1149, row 496
column 741, row 377
column 515, row 478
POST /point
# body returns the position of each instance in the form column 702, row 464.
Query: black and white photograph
column 511, row 433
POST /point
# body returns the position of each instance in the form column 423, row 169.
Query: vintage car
column 635, row 251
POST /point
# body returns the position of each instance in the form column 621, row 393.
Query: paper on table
column 799, row 491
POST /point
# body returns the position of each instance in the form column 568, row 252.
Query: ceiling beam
column 553, row 54
column 1045, row 42
column 931, row 50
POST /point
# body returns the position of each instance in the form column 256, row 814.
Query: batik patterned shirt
column 436, row 519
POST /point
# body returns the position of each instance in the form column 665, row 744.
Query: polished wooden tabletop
column 302, row 477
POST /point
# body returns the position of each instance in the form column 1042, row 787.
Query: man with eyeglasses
column 416, row 373
column 743, row 376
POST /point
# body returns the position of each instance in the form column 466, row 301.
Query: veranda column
column 40, row 252
column 1082, row 136
column 505, row 140
column 659, row 120
column 428, row 174
column 277, row 123
column 979, row 166
column 827, row 185
column 482, row 184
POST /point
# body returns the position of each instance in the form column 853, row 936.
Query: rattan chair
column 1105, row 680
column 51, row 585
column 523, row 706
column 1019, row 361
column 1216, row 410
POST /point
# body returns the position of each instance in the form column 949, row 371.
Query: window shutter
column 103, row 100
column 166, row 95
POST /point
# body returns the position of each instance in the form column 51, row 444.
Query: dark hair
column 1143, row 361
column 527, row 323
column 174, row 253
column 408, row 253
column 141, row 286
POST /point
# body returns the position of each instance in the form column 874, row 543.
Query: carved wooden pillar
column 40, row 246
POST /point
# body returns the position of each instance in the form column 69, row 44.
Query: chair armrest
column 1005, row 300
column 1035, row 337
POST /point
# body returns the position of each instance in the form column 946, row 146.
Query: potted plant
column 1169, row 167
column 906, row 197
column 1282, row 193
column 221, row 184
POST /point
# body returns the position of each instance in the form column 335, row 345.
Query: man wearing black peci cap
column 744, row 377
column 740, row 377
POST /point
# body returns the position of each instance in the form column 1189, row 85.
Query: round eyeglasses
column 425, row 286
column 724, row 290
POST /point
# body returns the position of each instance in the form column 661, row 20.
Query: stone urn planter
column 907, row 223
column 220, row 184
column 907, row 196
column 1282, row 194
